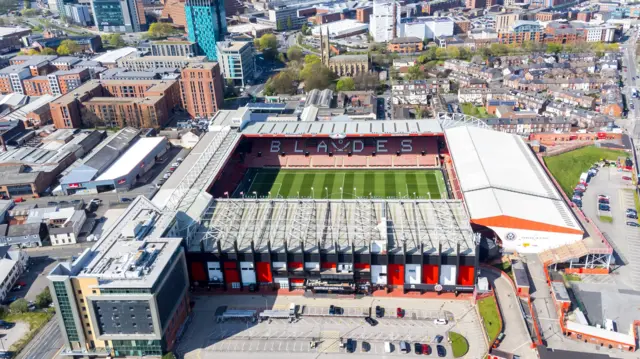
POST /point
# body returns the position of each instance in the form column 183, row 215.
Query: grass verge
column 459, row 344
column 636, row 200
column 36, row 320
column 607, row 219
column 490, row 317
column 571, row 277
column 567, row 167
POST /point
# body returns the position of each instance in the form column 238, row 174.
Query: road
column 633, row 104
column 46, row 344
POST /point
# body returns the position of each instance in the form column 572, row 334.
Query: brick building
column 201, row 87
column 363, row 14
column 405, row 45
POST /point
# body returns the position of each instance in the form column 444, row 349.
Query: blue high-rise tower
column 206, row 24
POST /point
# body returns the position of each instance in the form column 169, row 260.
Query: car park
column 372, row 322
column 604, row 207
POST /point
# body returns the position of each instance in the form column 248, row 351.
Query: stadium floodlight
column 326, row 189
column 313, row 194
column 414, row 195
column 255, row 194
column 341, row 192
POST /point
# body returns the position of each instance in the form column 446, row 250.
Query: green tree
column 161, row 30
column 114, row 40
column 30, row 12
column 305, row 29
column 554, row 48
column 19, row 306
column 316, row 76
column 453, row 52
column 415, row 73
column 169, row 356
column 268, row 44
column 289, row 23
column 294, row 53
column 43, row 299
column 345, row 84
column 282, row 83
column 48, row 51
column 68, row 47
column 279, row 25
column 311, row 59
column 498, row 49
column 441, row 53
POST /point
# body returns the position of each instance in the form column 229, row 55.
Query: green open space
column 36, row 320
column 472, row 110
column 490, row 317
column 567, row 167
column 459, row 344
column 346, row 184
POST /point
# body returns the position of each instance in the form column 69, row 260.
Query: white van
column 404, row 347
column 387, row 347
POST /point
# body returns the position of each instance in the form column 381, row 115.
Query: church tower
column 325, row 50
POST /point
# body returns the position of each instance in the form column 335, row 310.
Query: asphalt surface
column 629, row 60
column 46, row 344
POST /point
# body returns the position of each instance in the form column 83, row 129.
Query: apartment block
column 202, row 90
column 363, row 14
column 237, row 60
column 121, row 103
column 147, row 63
column 127, row 296
column 174, row 48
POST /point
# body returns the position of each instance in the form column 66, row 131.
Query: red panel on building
column 297, row 280
column 363, row 266
column 325, row 265
column 465, row 275
column 263, row 272
column 231, row 276
column 430, row 274
column 230, row 265
column 294, row 265
column 197, row 272
column 395, row 274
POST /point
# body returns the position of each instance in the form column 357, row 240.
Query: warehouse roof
column 132, row 158
column 114, row 55
column 500, row 176
column 371, row 225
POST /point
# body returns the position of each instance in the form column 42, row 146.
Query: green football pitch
column 347, row 184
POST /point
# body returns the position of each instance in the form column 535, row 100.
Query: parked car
column 351, row 345
column 417, row 348
column 633, row 224
column 179, row 159
column 332, row 309
column 379, row 311
column 439, row 321
column 405, row 347
column 400, row 313
column 175, row 164
column 125, row 200
column 166, row 175
column 601, row 196
column 365, row 347
column 603, row 200
column 6, row 325
column 632, row 215
column 439, row 338
column 4, row 354
column 372, row 322
column 626, row 178
column 441, row 351
column 631, row 210
column 604, row 207
column 426, row 349
column 52, row 204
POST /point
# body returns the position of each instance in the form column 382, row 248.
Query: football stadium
column 356, row 206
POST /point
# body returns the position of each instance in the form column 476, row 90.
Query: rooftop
column 376, row 226
column 132, row 158
column 114, row 55
column 343, row 128
column 131, row 253
column 6, row 31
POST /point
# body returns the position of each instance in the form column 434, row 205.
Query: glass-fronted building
column 119, row 16
column 206, row 24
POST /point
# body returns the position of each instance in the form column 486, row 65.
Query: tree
column 319, row 77
column 48, row 51
column 160, row 30
column 89, row 119
column 289, row 23
column 554, row 48
column 311, row 59
column 282, row 83
column 44, row 298
column 345, row 84
column 415, row 73
column 294, row 53
column 114, row 40
column 441, row 53
column 29, row 52
column 279, row 25
column 19, row 306
column 268, row 44
column 68, row 47
column 169, row 356
column 305, row 29
column 453, row 52
column 30, row 12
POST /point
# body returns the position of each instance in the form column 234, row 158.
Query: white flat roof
column 500, row 176
column 601, row 333
column 114, row 55
column 6, row 30
column 340, row 27
column 130, row 159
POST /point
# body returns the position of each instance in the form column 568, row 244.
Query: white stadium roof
column 503, row 183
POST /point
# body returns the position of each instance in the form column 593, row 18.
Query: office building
column 174, row 48
column 286, row 18
column 78, row 14
column 119, row 16
column 237, row 61
column 385, row 21
column 13, row 262
column 206, row 24
column 128, row 294
column 202, row 89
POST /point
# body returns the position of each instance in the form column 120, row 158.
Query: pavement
column 10, row 336
column 204, row 338
column 46, row 344
column 629, row 60
column 517, row 339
